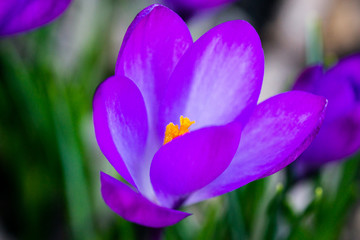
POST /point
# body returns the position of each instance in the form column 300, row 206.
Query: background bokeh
column 50, row 161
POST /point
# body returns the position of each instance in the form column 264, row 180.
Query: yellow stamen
column 172, row 131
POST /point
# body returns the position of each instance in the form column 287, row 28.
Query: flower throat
column 173, row 131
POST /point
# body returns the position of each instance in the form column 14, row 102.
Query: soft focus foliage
column 50, row 161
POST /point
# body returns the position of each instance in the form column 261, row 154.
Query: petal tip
column 134, row 207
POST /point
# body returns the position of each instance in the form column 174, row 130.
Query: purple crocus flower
column 162, row 75
column 23, row 15
column 339, row 136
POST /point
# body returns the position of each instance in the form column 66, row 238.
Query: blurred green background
column 50, row 162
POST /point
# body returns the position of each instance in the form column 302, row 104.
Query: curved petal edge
column 121, row 128
column 279, row 130
column 133, row 207
column 21, row 16
column 192, row 161
column 218, row 78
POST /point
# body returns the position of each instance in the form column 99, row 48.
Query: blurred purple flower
column 23, row 15
column 161, row 75
column 197, row 4
column 186, row 8
column 339, row 136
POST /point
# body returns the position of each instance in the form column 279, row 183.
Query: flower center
column 172, row 131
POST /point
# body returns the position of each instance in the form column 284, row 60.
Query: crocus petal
column 307, row 81
column 218, row 78
column 341, row 86
column 133, row 25
column 153, row 46
column 121, row 128
column 336, row 140
column 347, row 68
column 195, row 4
column 133, row 207
column 340, row 134
column 22, row 15
column 279, row 130
column 333, row 85
column 191, row 161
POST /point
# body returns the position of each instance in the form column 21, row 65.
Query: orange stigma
column 172, row 131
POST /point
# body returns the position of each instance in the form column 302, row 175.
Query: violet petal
column 336, row 140
column 191, row 161
column 19, row 15
column 196, row 4
column 307, row 80
column 340, row 134
column 121, row 128
column 218, row 78
column 155, row 41
column 279, row 130
column 133, row 207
